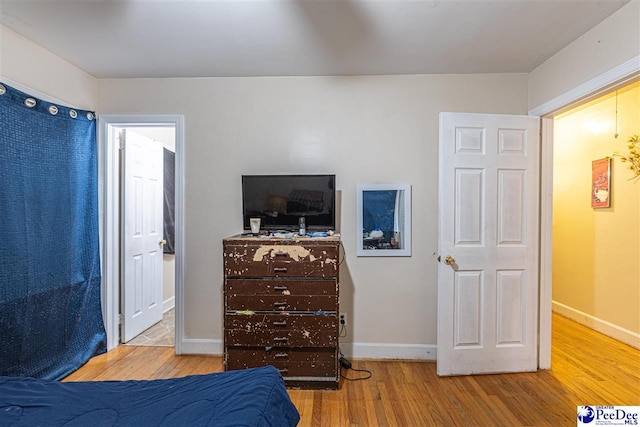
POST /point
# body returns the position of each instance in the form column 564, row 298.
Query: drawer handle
column 280, row 269
column 280, row 288
column 283, row 370
column 280, row 304
column 280, row 253
column 280, row 339
column 279, row 323
column 281, row 355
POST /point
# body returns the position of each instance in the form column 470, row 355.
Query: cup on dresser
column 255, row 225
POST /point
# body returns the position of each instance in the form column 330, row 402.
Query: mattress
column 251, row 397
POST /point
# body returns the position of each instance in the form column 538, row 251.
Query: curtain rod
column 36, row 93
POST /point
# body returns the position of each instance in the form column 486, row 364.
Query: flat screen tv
column 280, row 200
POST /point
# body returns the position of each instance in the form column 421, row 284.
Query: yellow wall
column 596, row 252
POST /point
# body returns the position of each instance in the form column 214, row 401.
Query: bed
column 251, row 397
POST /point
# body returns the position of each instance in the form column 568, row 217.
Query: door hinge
column 121, row 141
column 120, row 319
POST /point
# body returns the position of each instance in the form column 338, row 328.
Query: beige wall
column 363, row 129
column 596, row 251
column 25, row 62
column 168, row 279
column 609, row 44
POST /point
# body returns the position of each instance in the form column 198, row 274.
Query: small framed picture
column 601, row 183
column 384, row 219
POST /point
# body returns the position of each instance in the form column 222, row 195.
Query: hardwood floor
column 587, row 369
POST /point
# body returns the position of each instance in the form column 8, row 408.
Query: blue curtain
column 379, row 211
column 50, row 314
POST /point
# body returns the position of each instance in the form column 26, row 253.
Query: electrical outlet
column 343, row 319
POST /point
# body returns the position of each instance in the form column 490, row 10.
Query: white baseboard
column 201, row 346
column 609, row 329
column 389, row 351
column 352, row 350
column 168, row 304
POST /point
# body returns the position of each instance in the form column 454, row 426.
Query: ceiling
column 206, row 38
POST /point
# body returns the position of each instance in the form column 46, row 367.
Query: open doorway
column 596, row 234
column 614, row 77
column 148, row 299
column 109, row 128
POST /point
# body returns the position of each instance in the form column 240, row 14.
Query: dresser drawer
column 318, row 268
column 301, row 369
column 281, row 338
column 262, row 322
column 238, row 261
column 287, row 354
column 281, row 303
column 281, row 287
column 285, row 260
column 290, row 363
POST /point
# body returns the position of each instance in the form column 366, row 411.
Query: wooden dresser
column 281, row 307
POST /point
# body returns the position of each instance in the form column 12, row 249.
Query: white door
column 142, row 231
column 488, row 244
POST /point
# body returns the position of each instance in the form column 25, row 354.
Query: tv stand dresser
column 281, row 307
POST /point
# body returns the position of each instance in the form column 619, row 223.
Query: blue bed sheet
column 252, row 397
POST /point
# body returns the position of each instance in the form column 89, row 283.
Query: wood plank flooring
column 587, row 369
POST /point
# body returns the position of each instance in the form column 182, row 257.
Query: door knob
column 162, row 242
column 449, row 260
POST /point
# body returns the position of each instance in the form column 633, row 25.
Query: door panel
column 468, row 309
column 510, row 312
column 488, row 228
column 469, row 207
column 142, row 234
column 511, row 205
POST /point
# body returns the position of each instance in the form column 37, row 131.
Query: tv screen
column 280, row 200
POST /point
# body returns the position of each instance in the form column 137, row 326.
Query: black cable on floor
column 357, row 370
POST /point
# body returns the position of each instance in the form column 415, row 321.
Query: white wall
column 364, row 129
column 609, row 44
column 26, row 63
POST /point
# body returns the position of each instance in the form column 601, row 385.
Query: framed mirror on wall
column 384, row 219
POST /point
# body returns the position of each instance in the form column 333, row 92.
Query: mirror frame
column 406, row 226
